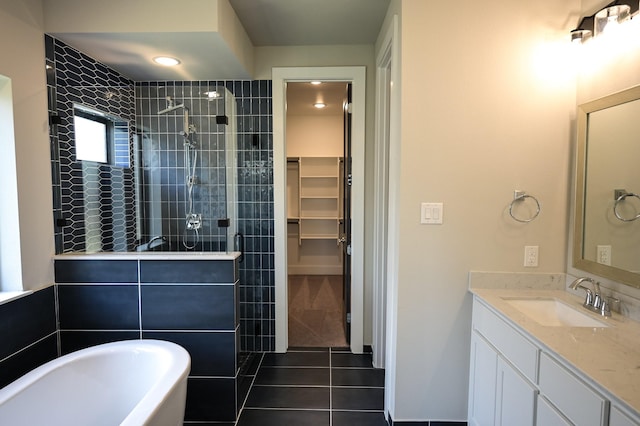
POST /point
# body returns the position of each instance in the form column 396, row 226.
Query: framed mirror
column 607, row 213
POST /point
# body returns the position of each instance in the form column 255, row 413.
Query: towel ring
column 621, row 195
column 520, row 196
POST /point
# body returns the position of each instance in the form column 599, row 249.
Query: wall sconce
column 612, row 14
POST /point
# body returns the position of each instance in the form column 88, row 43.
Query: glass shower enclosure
column 186, row 174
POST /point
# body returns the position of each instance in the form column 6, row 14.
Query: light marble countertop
column 150, row 255
column 608, row 356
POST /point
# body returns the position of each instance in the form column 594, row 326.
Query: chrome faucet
column 593, row 300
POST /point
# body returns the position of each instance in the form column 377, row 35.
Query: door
column 346, row 217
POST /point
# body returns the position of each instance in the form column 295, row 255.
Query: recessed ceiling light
column 166, row 61
column 319, row 105
column 316, row 82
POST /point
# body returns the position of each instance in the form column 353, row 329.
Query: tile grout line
column 330, row 391
column 253, row 381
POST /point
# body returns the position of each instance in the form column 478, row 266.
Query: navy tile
column 26, row 320
column 293, row 376
column 188, row 307
column 98, row 307
column 187, row 271
column 71, row 341
column 96, row 271
column 210, row 399
column 297, row 359
column 358, row 418
column 22, row 362
column 350, row 360
column 212, row 354
column 255, row 417
column 446, row 423
column 358, row 398
column 288, row 397
column 365, row 377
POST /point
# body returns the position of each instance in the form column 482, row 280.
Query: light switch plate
column 431, row 213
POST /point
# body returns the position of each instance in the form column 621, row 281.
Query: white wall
column 486, row 109
column 22, row 46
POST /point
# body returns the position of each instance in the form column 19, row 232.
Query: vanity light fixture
column 319, row 105
column 166, row 61
column 315, row 83
column 611, row 15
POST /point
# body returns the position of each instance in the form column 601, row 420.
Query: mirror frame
column 605, row 271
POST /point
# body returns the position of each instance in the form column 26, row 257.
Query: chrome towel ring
column 621, row 195
column 519, row 196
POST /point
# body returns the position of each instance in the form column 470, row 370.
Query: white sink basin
column 553, row 312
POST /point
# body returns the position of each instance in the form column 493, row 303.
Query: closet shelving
column 314, row 194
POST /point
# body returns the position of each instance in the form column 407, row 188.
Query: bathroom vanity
column 533, row 369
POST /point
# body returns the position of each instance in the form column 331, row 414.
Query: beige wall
column 315, row 136
column 483, row 113
column 22, row 46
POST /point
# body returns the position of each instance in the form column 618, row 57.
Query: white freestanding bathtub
column 132, row 382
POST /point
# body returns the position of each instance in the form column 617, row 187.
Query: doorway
column 282, row 77
column 318, row 136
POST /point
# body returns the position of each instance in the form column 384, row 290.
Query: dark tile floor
column 308, row 386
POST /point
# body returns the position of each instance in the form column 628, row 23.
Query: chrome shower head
column 170, row 106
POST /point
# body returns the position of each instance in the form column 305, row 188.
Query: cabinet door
column 482, row 386
column 546, row 414
column 619, row 418
column 515, row 397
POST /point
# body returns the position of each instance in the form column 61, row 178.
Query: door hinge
column 349, row 250
column 349, row 318
column 350, row 179
column 350, row 107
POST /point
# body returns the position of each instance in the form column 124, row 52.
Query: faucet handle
column 599, row 302
column 588, row 300
column 604, row 308
column 613, row 303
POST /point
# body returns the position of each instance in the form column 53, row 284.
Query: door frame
column 280, row 77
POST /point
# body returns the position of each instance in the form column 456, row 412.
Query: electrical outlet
column 603, row 255
column 531, row 256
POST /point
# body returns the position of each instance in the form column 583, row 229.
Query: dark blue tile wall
column 195, row 308
column 28, row 334
column 72, row 76
column 254, row 190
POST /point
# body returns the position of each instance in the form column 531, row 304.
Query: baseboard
column 315, row 270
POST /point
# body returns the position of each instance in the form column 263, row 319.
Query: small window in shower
column 93, row 135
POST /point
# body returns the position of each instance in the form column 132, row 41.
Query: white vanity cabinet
column 502, row 364
column 516, row 381
column 515, row 397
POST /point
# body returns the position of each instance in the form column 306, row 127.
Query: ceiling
column 311, row 22
column 302, row 96
column 204, row 54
